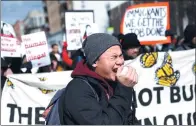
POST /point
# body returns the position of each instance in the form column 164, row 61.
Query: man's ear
column 95, row 64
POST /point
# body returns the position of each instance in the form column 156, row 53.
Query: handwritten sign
column 7, row 29
column 73, row 21
column 149, row 21
column 86, row 30
column 9, row 47
column 36, row 49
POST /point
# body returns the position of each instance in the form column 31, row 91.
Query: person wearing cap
column 131, row 46
column 189, row 38
column 100, row 92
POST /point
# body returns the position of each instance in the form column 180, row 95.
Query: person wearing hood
column 189, row 38
column 131, row 46
column 109, row 98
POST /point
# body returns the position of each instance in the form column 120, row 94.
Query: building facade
column 55, row 19
column 100, row 9
column 34, row 22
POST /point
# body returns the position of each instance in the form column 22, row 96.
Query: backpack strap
column 52, row 102
column 95, row 93
column 61, row 103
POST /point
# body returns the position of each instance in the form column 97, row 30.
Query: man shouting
column 102, row 89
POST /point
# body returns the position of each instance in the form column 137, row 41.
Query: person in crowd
column 55, row 52
column 5, row 71
column 189, row 38
column 56, row 59
column 4, row 67
column 77, row 56
column 131, row 46
column 26, row 67
column 99, row 93
column 68, row 62
column 170, row 46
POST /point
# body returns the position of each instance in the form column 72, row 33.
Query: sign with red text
column 86, row 30
column 36, row 49
column 149, row 21
column 73, row 21
column 9, row 47
column 7, row 30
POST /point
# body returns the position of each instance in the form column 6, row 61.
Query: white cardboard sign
column 73, row 21
column 36, row 49
column 9, row 47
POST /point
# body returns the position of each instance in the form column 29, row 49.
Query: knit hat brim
column 96, row 44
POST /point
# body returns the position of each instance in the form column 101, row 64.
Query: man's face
column 109, row 62
column 55, row 49
column 133, row 52
column 194, row 41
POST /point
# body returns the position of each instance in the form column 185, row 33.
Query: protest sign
column 165, row 93
column 9, row 47
column 7, row 30
column 73, row 20
column 149, row 21
column 86, row 30
column 36, row 49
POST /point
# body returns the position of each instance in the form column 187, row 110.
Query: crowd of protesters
column 67, row 60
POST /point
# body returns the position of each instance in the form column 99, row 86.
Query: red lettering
column 35, row 57
column 6, row 39
column 35, row 44
column 8, row 49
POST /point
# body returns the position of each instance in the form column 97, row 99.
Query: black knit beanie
column 130, row 40
column 96, row 44
column 189, row 32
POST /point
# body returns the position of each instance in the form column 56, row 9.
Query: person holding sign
column 102, row 88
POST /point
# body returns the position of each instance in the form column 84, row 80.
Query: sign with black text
column 149, row 21
column 73, row 22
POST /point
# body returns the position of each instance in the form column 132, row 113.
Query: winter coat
column 183, row 47
column 79, row 105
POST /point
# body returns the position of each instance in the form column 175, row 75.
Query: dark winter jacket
column 79, row 105
column 77, row 57
column 185, row 46
column 143, row 49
